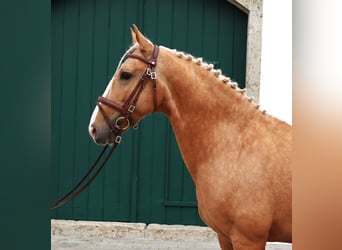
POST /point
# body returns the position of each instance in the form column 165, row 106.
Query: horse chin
column 110, row 140
column 101, row 143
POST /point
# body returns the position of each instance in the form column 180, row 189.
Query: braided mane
column 217, row 72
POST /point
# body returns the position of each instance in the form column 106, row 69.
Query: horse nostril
column 92, row 131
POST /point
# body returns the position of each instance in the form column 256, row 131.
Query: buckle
column 117, row 139
column 131, row 108
column 148, row 71
column 151, row 73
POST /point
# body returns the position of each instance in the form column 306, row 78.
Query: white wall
column 276, row 59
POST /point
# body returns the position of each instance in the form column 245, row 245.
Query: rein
column 73, row 193
column 121, row 124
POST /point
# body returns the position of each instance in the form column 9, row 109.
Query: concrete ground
column 88, row 235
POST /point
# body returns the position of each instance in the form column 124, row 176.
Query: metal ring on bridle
column 119, row 119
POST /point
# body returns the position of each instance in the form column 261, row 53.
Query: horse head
column 130, row 95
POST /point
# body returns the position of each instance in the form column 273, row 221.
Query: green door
column 145, row 179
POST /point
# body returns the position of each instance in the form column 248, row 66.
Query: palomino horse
column 239, row 157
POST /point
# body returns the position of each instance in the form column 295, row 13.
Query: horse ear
column 146, row 46
column 134, row 37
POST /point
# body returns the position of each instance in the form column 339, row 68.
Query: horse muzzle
column 101, row 136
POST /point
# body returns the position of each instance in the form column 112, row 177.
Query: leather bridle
column 124, row 121
column 121, row 124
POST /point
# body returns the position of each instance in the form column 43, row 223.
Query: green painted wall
column 145, row 180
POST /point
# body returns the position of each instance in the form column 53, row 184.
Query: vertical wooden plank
column 150, row 17
column 180, row 19
column 145, row 169
column 96, row 190
column 116, row 34
column 199, row 221
column 175, row 187
column 189, row 215
column 68, row 92
column 225, row 37
column 83, row 99
column 159, row 154
column 164, row 35
column 57, row 18
column 240, row 47
column 210, row 30
column 133, row 181
column 195, row 28
column 189, row 195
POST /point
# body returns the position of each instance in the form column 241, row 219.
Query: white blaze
column 96, row 110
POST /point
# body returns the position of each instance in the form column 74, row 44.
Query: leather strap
column 74, row 192
column 152, row 62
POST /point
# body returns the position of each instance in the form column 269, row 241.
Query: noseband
column 124, row 121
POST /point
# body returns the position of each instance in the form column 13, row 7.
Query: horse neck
column 202, row 109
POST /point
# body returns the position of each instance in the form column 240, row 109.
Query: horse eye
column 125, row 75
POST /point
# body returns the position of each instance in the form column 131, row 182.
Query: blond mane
column 217, row 72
